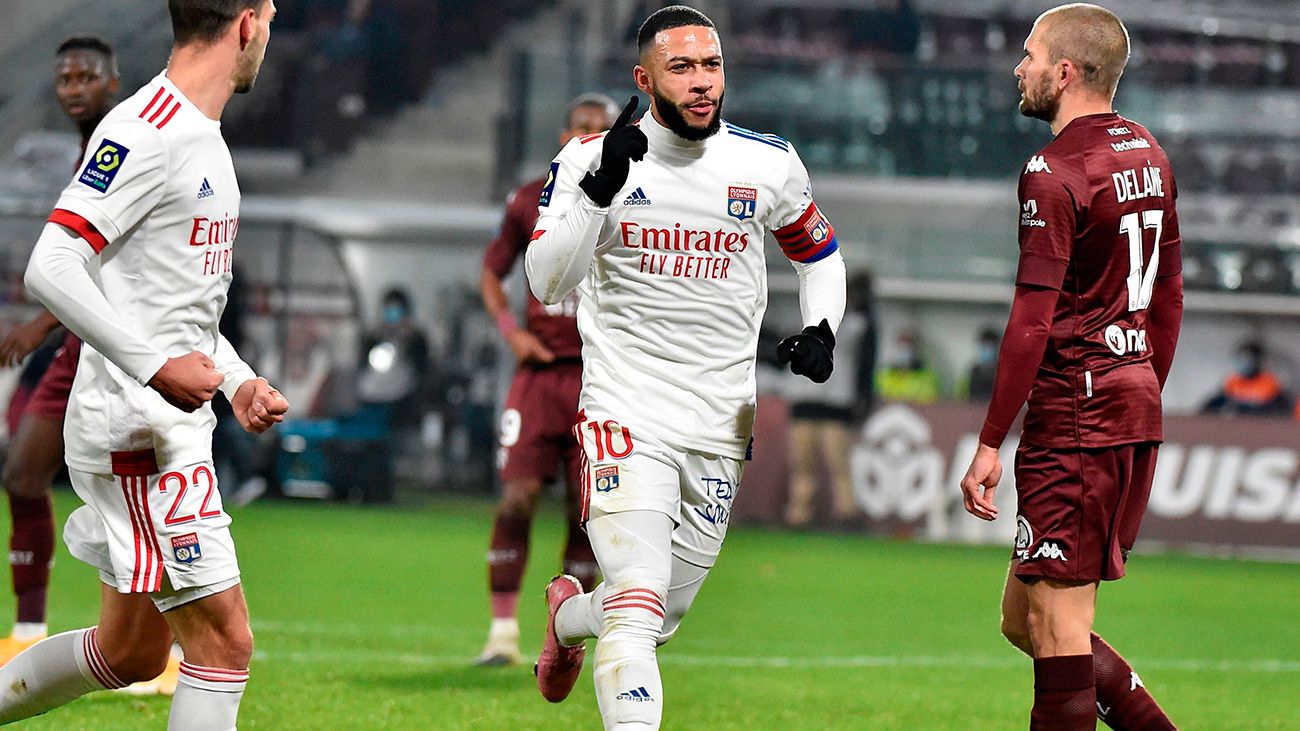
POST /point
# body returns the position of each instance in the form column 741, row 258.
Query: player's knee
column 20, row 482
column 237, row 646
column 519, row 497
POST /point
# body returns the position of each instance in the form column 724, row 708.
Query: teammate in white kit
column 667, row 255
column 136, row 260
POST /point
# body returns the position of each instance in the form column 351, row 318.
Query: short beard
column 1042, row 105
column 676, row 121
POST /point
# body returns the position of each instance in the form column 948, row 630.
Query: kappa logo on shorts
column 606, row 478
column 186, row 548
column 1050, row 550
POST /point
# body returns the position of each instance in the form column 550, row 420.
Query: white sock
column 29, row 630
column 635, row 554
column 507, row 627
column 51, row 673
column 207, row 699
column 578, row 619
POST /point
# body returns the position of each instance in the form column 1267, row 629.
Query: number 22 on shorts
column 177, row 479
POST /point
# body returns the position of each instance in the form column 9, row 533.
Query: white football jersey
column 672, row 303
column 156, row 196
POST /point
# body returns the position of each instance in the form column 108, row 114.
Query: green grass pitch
column 368, row 618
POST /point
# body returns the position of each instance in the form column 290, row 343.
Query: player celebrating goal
column 539, row 410
column 659, row 225
column 1090, row 340
column 157, row 202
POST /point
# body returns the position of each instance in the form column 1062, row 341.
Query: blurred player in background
column 85, row 82
column 153, row 214
column 536, row 426
column 668, row 257
column 1091, row 336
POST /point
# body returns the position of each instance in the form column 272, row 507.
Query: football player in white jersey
column 668, row 256
column 136, row 260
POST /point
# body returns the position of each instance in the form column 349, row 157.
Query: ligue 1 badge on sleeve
column 186, row 548
column 741, row 202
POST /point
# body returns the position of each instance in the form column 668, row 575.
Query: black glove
column 623, row 144
column 810, row 353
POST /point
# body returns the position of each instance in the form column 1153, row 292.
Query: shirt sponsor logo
column 205, row 190
column 186, row 548
column 741, row 202
column 548, row 190
column 1137, row 143
column 606, row 478
column 103, row 165
column 1028, row 211
column 1037, row 164
column 1119, row 131
column 1122, row 341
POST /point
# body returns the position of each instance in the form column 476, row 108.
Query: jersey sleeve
column 1048, row 215
column 563, row 242
column 511, row 240
column 804, row 234
column 121, row 179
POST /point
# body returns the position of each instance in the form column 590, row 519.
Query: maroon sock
column 579, row 559
column 31, row 548
column 509, row 552
column 1123, row 703
column 1065, row 698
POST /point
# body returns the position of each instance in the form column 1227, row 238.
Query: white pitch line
column 805, row 663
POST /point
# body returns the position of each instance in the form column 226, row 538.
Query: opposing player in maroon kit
column 536, row 436
column 1091, row 337
column 85, row 82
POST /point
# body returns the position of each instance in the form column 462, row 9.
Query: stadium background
column 375, row 153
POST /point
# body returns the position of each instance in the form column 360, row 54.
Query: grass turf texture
column 368, row 618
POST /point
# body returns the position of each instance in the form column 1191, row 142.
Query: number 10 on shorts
column 611, row 439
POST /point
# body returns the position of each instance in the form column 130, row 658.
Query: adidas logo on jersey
column 640, row 695
column 1037, row 165
column 637, row 198
column 205, row 190
column 1050, row 550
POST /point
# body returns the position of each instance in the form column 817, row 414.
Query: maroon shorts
column 1078, row 510
column 50, row 399
column 537, row 424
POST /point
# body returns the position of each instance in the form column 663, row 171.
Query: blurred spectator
column 822, row 415
column 395, row 369
column 979, row 385
column 1251, row 389
column 906, row 377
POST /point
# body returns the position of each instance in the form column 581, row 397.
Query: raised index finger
column 626, row 115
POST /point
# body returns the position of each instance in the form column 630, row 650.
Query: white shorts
column 166, row 534
column 622, row 472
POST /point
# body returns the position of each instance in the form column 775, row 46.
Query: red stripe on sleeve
column 80, row 226
column 175, row 108
column 536, row 235
column 161, row 109
column 152, row 102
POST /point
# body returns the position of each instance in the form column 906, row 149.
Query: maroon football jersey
column 1097, row 216
column 555, row 325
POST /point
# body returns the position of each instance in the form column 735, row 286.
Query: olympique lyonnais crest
column 606, row 478
column 817, row 228
column 186, row 548
column 741, row 202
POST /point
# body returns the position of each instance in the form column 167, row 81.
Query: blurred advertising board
column 1221, row 483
